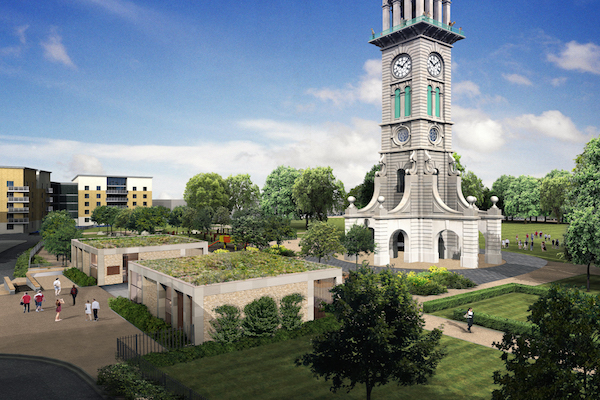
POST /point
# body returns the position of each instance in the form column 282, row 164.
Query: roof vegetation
column 136, row 241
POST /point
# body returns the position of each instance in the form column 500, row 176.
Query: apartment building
column 115, row 191
column 25, row 199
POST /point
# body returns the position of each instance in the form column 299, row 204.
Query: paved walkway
column 10, row 248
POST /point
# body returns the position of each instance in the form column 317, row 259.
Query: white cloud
column 82, row 164
column 551, row 124
column 517, row 79
column 15, row 51
column 124, row 9
column 367, row 90
column 20, row 31
column 556, row 82
column 474, row 130
column 55, row 51
column 466, row 88
column 578, row 57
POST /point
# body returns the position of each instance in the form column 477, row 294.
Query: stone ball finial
column 381, row 199
column 471, row 200
column 494, row 200
column 351, row 200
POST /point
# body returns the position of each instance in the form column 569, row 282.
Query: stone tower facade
column 418, row 211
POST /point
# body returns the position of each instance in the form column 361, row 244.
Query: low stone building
column 184, row 292
column 107, row 259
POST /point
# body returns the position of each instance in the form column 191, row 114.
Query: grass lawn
column 511, row 229
column 511, row 306
column 268, row 372
column 580, row 281
column 300, row 224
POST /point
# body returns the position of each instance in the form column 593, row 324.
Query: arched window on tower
column 400, row 178
column 429, row 101
column 397, row 104
column 407, row 102
column 437, row 102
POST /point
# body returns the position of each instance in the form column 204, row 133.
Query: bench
column 8, row 285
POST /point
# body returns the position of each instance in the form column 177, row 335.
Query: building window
column 400, row 177
column 145, row 189
column 134, row 188
column 87, row 220
column 87, row 212
column 397, row 103
column 97, row 204
column 113, row 270
column 135, row 196
column 10, row 227
column 87, row 203
column 87, row 188
column 98, row 195
column 145, row 203
column 10, row 183
column 135, row 203
column 87, row 196
column 98, row 188
column 407, row 102
column 145, row 196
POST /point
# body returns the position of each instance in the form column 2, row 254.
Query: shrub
column 261, row 317
column 79, row 277
column 137, row 314
column 22, row 264
column 280, row 251
column 228, row 326
column 289, row 308
column 423, row 285
column 220, row 251
column 126, row 381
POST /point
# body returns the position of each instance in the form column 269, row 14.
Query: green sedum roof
column 136, row 241
column 228, row 267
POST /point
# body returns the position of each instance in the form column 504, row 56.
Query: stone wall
column 149, row 291
column 112, row 260
column 159, row 255
column 241, row 298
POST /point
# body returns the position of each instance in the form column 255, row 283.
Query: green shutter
column 407, row 100
column 397, row 104
column 429, row 112
column 437, row 102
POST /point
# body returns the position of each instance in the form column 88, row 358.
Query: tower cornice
column 420, row 26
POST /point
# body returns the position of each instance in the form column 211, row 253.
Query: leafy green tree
column 222, row 216
column 58, row 228
column 227, row 327
column 359, row 239
column 365, row 190
column 248, row 227
column 582, row 239
column 175, row 217
column 471, row 185
column 261, row 317
column 242, row 192
column 522, row 199
column 277, row 197
column 290, row 307
column 278, row 228
column 203, row 219
column 554, row 190
column 459, row 166
column 188, row 218
column 499, row 189
column 147, row 219
column 206, row 190
column 322, row 240
column 317, row 192
column 122, row 218
column 560, row 358
column 381, row 338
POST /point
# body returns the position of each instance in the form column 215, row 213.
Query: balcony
column 50, row 200
column 18, row 220
column 116, row 199
column 49, row 190
column 19, row 189
column 49, row 209
column 18, row 199
column 22, row 210
column 113, row 191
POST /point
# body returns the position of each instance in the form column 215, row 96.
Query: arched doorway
column 449, row 246
column 398, row 244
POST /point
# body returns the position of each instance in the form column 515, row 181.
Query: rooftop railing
column 21, row 189
column 413, row 21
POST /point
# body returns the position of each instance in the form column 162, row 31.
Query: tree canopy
column 277, row 197
column 248, row 227
column 242, row 192
column 359, row 239
column 554, row 189
column 381, row 338
column 317, row 192
column 364, row 192
column 500, row 187
column 322, row 240
column 206, row 190
column 147, row 219
column 522, row 198
column 560, row 358
column 58, row 228
column 105, row 215
column 175, row 217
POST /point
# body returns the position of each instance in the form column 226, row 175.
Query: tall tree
column 317, row 192
column 242, row 192
column 248, row 227
column 122, row 218
column 499, row 189
column 188, row 218
column 175, row 217
column 554, row 190
column 359, row 239
column 222, row 216
column 278, row 229
column 277, row 198
column 206, row 190
column 381, row 338
column 560, row 358
column 147, row 219
column 471, row 185
column 365, row 192
column 522, row 199
column 58, row 228
column 582, row 239
column 322, row 240
column 100, row 216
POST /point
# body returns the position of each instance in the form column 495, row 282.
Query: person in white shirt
column 88, row 310
column 95, row 308
column 57, row 287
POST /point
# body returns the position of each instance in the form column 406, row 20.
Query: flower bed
column 136, row 241
column 435, row 281
column 228, row 267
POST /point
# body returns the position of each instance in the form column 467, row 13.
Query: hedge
column 79, row 278
column 126, row 381
column 478, row 295
column 494, row 322
column 137, row 314
column 211, row 348
column 22, row 264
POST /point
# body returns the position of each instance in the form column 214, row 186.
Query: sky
column 170, row 89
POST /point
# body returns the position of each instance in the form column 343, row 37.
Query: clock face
column 434, row 65
column 403, row 135
column 402, row 66
column 433, row 135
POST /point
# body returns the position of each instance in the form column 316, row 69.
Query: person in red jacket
column 38, row 298
column 25, row 300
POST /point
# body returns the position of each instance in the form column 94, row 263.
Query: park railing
column 132, row 349
column 34, row 251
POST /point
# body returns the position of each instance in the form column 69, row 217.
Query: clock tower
column 418, row 212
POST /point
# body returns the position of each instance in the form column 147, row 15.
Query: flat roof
column 111, row 176
column 228, row 267
column 120, row 242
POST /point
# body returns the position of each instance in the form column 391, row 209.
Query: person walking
column 88, row 310
column 59, row 303
column 25, row 300
column 469, row 316
column 56, row 287
column 74, row 292
column 95, row 308
column 38, row 298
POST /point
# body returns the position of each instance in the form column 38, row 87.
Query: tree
column 248, row 227
column 471, row 185
column 289, row 308
column 381, row 338
column 321, row 240
column 317, row 192
column 203, row 219
column 122, row 218
column 175, row 217
column 277, row 198
column 554, row 189
column 147, row 219
column 499, row 189
column 522, row 199
column 582, row 239
column 188, row 218
column 560, row 358
column 206, row 190
column 227, row 327
column 58, row 228
column 261, row 317
column 459, row 166
column 364, row 191
column 242, row 192
column 359, row 239
column 100, row 216
column 278, row 229
column 222, row 216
